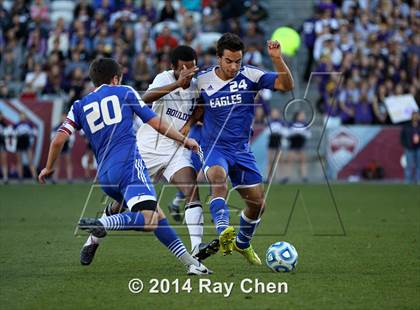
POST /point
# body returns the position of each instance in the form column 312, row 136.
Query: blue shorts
column 241, row 167
column 128, row 182
column 195, row 133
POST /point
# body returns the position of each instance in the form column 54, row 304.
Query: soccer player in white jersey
column 174, row 94
column 106, row 117
column 228, row 91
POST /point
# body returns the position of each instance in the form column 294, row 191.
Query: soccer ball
column 281, row 257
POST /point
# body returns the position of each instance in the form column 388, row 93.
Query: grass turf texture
column 376, row 265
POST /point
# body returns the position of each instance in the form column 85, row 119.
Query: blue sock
column 180, row 195
column 220, row 213
column 247, row 229
column 167, row 235
column 123, row 221
column 179, row 199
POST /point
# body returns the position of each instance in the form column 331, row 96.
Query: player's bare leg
column 19, row 165
column 217, row 178
column 250, row 218
column 4, row 166
column 31, row 164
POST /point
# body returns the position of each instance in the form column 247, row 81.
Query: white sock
column 194, row 220
column 92, row 239
column 177, row 201
column 188, row 260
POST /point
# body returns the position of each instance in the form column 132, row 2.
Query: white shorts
column 166, row 161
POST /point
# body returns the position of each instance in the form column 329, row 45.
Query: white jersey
column 175, row 108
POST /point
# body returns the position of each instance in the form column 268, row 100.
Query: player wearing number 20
column 106, row 117
column 228, row 91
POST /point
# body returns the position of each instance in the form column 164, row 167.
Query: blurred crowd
column 46, row 53
column 374, row 45
column 46, row 47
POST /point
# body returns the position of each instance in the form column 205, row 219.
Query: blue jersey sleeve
column 267, row 80
column 260, row 78
column 138, row 106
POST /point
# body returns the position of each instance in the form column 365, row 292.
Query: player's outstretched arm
column 55, row 149
column 163, row 128
column 183, row 81
column 284, row 81
column 196, row 116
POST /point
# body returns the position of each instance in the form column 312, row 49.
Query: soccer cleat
column 199, row 270
column 174, row 211
column 204, row 250
column 226, row 240
column 93, row 226
column 88, row 253
column 248, row 253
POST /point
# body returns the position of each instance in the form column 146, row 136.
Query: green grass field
column 374, row 263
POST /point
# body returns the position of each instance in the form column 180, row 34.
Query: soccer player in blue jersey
column 228, row 91
column 106, row 117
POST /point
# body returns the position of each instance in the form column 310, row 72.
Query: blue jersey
column 106, row 117
column 229, row 106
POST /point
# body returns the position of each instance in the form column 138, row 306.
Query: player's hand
column 192, row 145
column 45, row 173
column 274, row 49
column 185, row 76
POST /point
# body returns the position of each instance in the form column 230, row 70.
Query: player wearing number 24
column 106, row 117
column 228, row 91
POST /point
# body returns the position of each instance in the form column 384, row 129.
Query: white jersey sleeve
column 162, row 79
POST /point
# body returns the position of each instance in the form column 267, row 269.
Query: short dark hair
column 102, row 70
column 229, row 41
column 184, row 53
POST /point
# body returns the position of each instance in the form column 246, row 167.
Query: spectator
column 37, row 43
column 142, row 72
column 3, row 151
column 147, row 9
column 25, row 140
column 208, row 60
column 75, row 63
column 298, row 134
column 103, row 38
column 36, row 81
column 167, row 12
column 212, row 18
column 379, row 108
column 141, row 31
column 59, row 36
column 165, row 39
column 54, row 81
column 253, row 56
column 9, row 68
column 309, row 36
column 83, row 11
column 76, row 86
column 189, row 25
column 39, row 11
column 255, row 11
column 276, row 131
column 348, row 97
column 410, row 140
column 254, row 37
column 362, row 111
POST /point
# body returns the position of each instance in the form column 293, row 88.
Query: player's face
column 230, row 63
column 181, row 64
